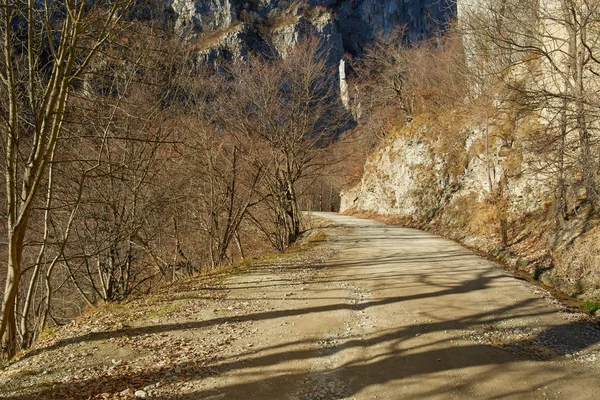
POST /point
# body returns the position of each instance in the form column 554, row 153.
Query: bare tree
column 543, row 56
column 46, row 47
column 287, row 111
column 112, row 137
column 227, row 183
column 122, row 143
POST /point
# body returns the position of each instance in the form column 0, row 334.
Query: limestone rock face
column 408, row 176
column 203, row 15
column 232, row 44
column 346, row 26
column 345, row 97
column 296, row 26
column 361, row 20
column 392, row 177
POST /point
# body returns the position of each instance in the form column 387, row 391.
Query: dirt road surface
column 374, row 312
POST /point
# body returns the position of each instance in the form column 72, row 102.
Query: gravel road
column 395, row 313
column 372, row 312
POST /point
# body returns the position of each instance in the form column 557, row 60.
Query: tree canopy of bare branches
column 286, row 113
column 47, row 47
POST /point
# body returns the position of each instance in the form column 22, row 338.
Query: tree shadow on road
column 404, row 361
column 395, row 365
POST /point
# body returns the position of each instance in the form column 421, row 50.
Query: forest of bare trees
column 545, row 59
column 510, row 67
column 126, row 164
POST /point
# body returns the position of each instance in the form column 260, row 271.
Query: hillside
column 475, row 193
column 148, row 146
column 491, row 138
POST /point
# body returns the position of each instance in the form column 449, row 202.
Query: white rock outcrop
column 346, row 26
column 405, row 176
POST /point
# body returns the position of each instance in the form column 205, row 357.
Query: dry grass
column 578, row 267
column 212, row 39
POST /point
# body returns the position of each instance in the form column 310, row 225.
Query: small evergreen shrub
column 591, row 306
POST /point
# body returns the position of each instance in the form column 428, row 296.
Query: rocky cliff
column 415, row 173
column 230, row 28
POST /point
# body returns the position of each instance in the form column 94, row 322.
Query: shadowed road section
column 372, row 312
column 398, row 313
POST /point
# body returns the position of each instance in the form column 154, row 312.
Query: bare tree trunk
column 487, row 154
column 576, row 68
column 502, row 210
column 46, row 107
column 321, row 196
column 238, row 243
column 560, row 200
column 25, row 337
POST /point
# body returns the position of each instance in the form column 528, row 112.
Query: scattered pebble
column 141, row 394
column 322, row 388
